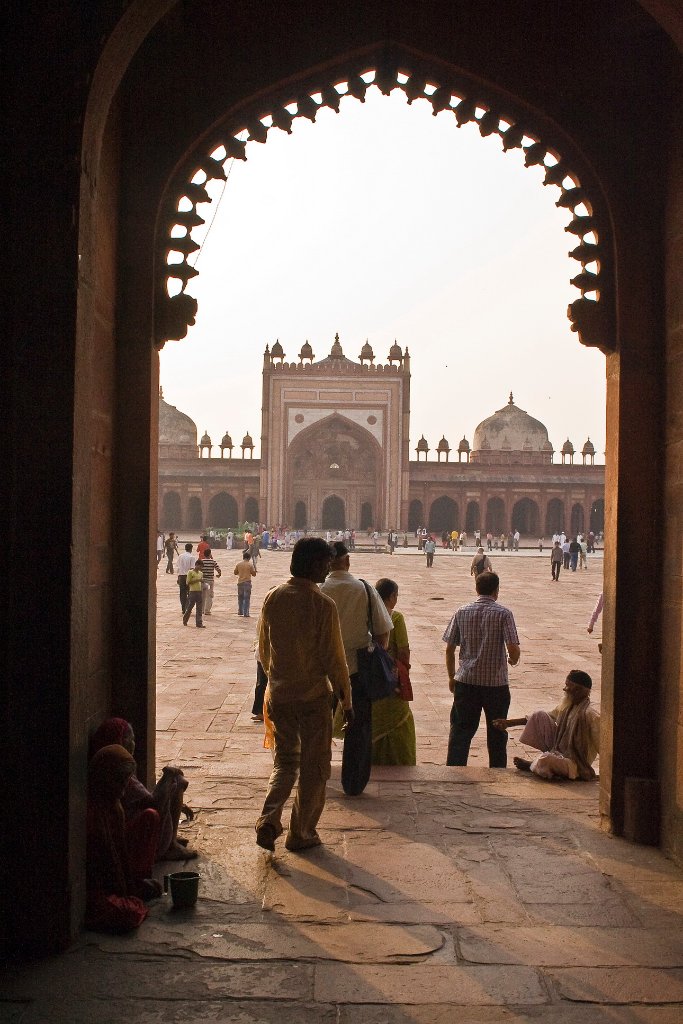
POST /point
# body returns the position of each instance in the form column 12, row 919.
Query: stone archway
column 171, row 516
column 333, row 513
column 392, row 66
column 525, row 518
column 415, row 515
column 554, row 517
column 93, row 155
column 495, row 516
column 597, row 516
column 222, row 511
column 472, row 517
column 195, row 515
column 443, row 514
column 334, row 453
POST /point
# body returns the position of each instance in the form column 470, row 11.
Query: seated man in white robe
column 568, row 737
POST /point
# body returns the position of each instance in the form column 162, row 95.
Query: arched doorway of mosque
column 577, row 520
column 335, row 454
column 443, row 515
column 525, row 517
column 222, row 511
column 171, row 515
column 597, row 517
column 366, row 520
column 333, row 517
column 554, row 517
column 300, row 519
column 415, row 515
column 495, row 516
column 251, row 510
column 473, row 517
column 194, row 513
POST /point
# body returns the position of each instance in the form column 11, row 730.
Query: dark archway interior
column 333, row 517
column 222, row 511
column 443, row 515
column 495, row 516
column 525, row 518
column 415, row 515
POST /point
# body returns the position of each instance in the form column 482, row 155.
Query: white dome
column 510, row 429
column 175, row 427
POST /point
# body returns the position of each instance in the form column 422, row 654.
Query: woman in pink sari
column 167, row 797
column 119, row 865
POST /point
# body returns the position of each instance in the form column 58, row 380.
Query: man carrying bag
column 351, row 598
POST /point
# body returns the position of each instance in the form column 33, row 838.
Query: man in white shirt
column 185, row 561
column 351, row 598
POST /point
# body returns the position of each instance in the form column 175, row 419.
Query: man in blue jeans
column 486, row 634
column 244, row 570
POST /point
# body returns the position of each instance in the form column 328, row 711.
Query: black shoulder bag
column 377, row 670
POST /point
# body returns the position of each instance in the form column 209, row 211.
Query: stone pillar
column 635, row 381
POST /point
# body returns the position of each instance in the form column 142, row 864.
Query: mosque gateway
column 336, row 453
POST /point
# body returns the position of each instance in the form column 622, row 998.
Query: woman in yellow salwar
column 393, row 726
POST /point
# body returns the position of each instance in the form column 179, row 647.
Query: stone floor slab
column 570, row 947
column 620, row 985
column 416, row 984
column 561, row 1013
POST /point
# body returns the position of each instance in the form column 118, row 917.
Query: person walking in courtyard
column 171, row 548
column 194, row 595
column 556, row 559
column 568, row 736
column 255, row 548
column 244, row 570
column 351, row 598
column 210, row 569
column 160, row 546
column 564, row 544
column 302, row 677
column 429, row 549
column 486, row 634
column 186, row 561
column 480, row 563
column 393, row 725
column 574, row 552
column 489, row 541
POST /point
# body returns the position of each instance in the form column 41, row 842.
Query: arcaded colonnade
column 111, row 118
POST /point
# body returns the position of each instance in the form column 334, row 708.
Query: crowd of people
column 312, row 685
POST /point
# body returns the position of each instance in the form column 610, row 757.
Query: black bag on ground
column 377, row 670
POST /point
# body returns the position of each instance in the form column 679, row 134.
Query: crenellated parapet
column 336, row 362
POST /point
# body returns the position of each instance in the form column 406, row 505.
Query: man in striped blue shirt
column 486, row 634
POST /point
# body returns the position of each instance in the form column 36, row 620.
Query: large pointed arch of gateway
column 240, row 116
column 138, row 103
column 388, row 67
column 334, row 458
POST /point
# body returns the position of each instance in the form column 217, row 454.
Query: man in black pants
column 486, row 634
column 351, row 598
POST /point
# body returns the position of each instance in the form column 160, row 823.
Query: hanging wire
column 215, row 214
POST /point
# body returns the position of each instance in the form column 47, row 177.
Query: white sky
column 385, row 222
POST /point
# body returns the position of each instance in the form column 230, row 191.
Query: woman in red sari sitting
column 118, row 876
column 166, row 798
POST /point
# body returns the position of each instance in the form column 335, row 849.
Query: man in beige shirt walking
column 301, row 650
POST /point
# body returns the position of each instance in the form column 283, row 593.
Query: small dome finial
column 511, row 401
column 161, row 393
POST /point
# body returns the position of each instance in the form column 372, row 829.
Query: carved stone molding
column 387, row 68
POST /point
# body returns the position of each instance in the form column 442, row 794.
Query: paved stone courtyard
column 442, row 894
